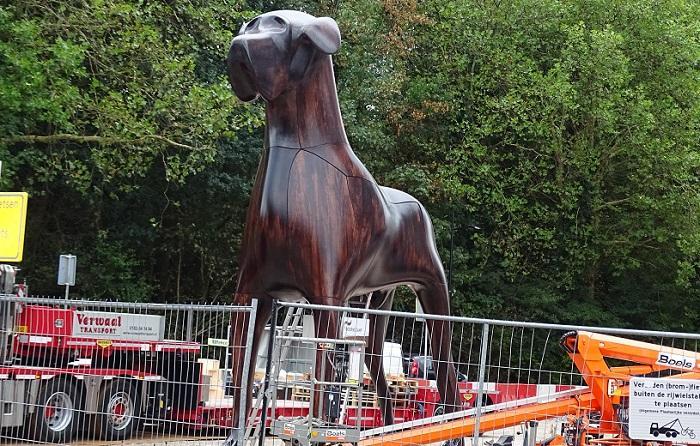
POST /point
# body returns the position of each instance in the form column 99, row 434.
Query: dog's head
column 273, row 51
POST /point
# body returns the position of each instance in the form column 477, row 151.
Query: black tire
column 119, row 410
column 58, row 407
column 440, row 410
column 668, row 434
column 655, row 433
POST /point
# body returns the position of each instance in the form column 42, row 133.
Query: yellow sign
column 103, row 343
column 13, row 215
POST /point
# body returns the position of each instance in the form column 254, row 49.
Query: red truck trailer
column 64, row 370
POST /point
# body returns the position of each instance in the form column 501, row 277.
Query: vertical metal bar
column 360, row 381
column 190, row 323
column 227, row 357
column 322, row 387
column 245, row 374
column 426, row 351
column 531, row 433
column 482, row 374
column 268, row 372
column 314, row 365
column 8, row 326
column 276, row 361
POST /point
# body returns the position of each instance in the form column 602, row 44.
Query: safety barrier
column 517, row 383
column 77, row 370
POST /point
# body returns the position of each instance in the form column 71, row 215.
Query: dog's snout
column 238, row 51
column 240, row 73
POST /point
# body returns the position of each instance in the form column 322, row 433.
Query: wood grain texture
column 318, row 226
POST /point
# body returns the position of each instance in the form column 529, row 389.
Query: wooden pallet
column 369, row 398
column 300, row 394
column 401, row 391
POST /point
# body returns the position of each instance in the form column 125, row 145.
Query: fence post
column 268, row 372
column 245, row 373
column 190, row 323
column 483, row 353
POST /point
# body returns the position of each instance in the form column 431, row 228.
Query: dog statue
column 318, row 226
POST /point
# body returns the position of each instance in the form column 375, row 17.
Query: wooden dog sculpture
column 318, row 226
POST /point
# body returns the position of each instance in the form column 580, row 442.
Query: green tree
column 555, row 145
column 109, row 103
column 569, row 134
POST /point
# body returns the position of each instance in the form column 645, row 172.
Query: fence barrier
column 75, row 370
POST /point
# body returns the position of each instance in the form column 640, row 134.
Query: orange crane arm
column 465, row 427
column 641, row 353
column 590, row 352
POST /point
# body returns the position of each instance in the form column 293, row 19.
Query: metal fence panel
column 517, row 382
column 158, row 373
column 76, row 370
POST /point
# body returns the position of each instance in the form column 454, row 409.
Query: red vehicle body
column 50, row 371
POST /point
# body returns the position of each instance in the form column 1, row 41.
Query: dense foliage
column 556, row 145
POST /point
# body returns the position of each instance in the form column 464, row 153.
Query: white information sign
column 215, row 342
column 104, row 325
column 664, row 409
column 355, row 327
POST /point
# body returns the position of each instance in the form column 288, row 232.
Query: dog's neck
column 307, row 115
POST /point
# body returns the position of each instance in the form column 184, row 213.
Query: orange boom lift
column 606, row 398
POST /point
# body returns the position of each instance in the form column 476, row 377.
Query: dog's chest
column 298, row 187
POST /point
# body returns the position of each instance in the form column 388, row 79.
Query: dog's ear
column 324, row 34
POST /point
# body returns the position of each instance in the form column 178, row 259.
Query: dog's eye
column 252, row 24
column 273, row 24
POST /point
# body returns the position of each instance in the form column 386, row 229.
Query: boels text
column 677, row 362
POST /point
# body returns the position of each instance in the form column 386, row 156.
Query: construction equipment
column 306, row 430
column 605, row 399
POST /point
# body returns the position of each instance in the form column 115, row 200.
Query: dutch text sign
column 355, row 327
column 13, row 215
column 664, row 409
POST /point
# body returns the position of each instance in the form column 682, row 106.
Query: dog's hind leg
column 434, row 299
column 374, row 356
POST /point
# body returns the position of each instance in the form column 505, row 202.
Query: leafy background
column 554, row 143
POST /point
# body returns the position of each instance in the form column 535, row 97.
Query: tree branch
column 611, row 203
column 94, row 139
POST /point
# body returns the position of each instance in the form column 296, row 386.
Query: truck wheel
column 119, row 410
column 57, row 407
